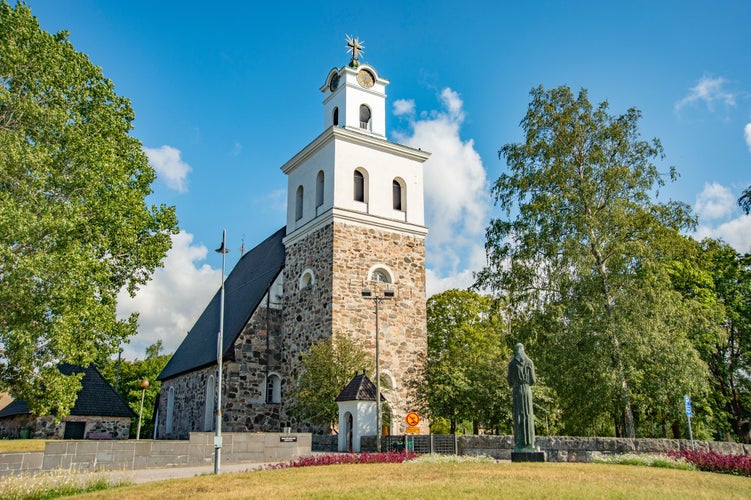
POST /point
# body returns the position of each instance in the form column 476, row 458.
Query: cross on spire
column 354, row 47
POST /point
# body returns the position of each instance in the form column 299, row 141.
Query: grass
column 431, row 479
column 16, row 445
column 53, row 484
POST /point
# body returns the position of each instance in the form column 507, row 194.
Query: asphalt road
column 137, row 476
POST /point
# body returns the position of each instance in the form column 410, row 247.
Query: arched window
column 381, row 275
column 298, row 203
column 319, row 189
column 336, row 117
column 359, row 186
column 307, row 279
column 273, row 389
column 397, row 194
column 364, row 117
column 170, row 410
column 208, row 412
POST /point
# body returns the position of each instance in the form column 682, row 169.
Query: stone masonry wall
column 244, row 406
column 257, row 355
column 402, row 320
column 307, row 312
column 341, row 255
column 189, row 408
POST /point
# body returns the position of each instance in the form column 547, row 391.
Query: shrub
column 711, row 461
column 345, row 458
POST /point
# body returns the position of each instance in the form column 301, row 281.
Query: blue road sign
column 687, row 402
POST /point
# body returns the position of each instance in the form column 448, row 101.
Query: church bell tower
column 355, row 221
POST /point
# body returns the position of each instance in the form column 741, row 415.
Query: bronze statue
column 521, row 375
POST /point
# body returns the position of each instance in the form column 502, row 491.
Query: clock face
column 334, row 83
column 365, row 78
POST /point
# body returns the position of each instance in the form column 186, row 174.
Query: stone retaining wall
column 126, row 455
column 28, row 461
column 583, row 449
column 556, row 448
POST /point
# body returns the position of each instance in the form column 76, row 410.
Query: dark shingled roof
column 96, row 398
column 360, row 388
column 244, row 289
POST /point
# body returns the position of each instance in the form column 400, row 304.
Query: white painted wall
column 348, row 97
column 364, row 422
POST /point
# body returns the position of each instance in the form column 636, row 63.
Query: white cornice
column 354, row 218
column 354, row 137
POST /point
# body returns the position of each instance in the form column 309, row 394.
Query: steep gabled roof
column 360, row 388
column 96, row 398
column 244, row 289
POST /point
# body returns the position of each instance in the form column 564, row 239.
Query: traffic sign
column 412, row 430
column 687, row 402
column 412, row 419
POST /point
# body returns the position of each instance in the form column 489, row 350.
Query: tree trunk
column 676, row 430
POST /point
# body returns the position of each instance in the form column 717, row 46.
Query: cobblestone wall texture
column 341, row 256
column 244, row 388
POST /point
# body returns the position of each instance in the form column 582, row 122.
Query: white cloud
column 747, row 135
column 274, row 201
column 404, row 107
column 168, row 165
column 736, row 232
column 721, row 218
column 708, row 91
column 457, row 200
column 171, row 302
column 715, row 202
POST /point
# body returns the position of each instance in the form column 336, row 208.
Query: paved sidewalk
column 137, row 476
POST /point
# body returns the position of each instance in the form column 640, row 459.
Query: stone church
column 355, row 222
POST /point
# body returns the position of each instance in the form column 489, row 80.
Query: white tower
column 355, row 220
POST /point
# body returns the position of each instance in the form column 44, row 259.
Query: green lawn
column 446, row 480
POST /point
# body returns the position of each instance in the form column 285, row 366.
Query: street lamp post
column 387, row 295
column 219, row 354
column 144, row 385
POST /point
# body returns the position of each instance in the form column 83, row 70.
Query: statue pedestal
column 527, row 456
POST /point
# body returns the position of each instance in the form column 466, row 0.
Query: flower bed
column 346, row 458
column 711, row 461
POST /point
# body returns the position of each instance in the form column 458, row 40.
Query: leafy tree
column 74, row 226
column 579, row 254
column 717, row 282
column 464, row 375
column 126, row 377
column 745, row 200
column 325, row 370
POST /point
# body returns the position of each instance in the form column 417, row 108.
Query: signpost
column 689, row 414
column 413, row 420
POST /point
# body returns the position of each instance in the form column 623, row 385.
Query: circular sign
column 412, row 419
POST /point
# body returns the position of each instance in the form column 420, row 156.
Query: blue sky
column 225, row 93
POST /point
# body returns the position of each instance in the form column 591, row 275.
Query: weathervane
column 355, row 47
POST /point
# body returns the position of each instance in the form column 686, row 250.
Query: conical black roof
column 360, row 388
